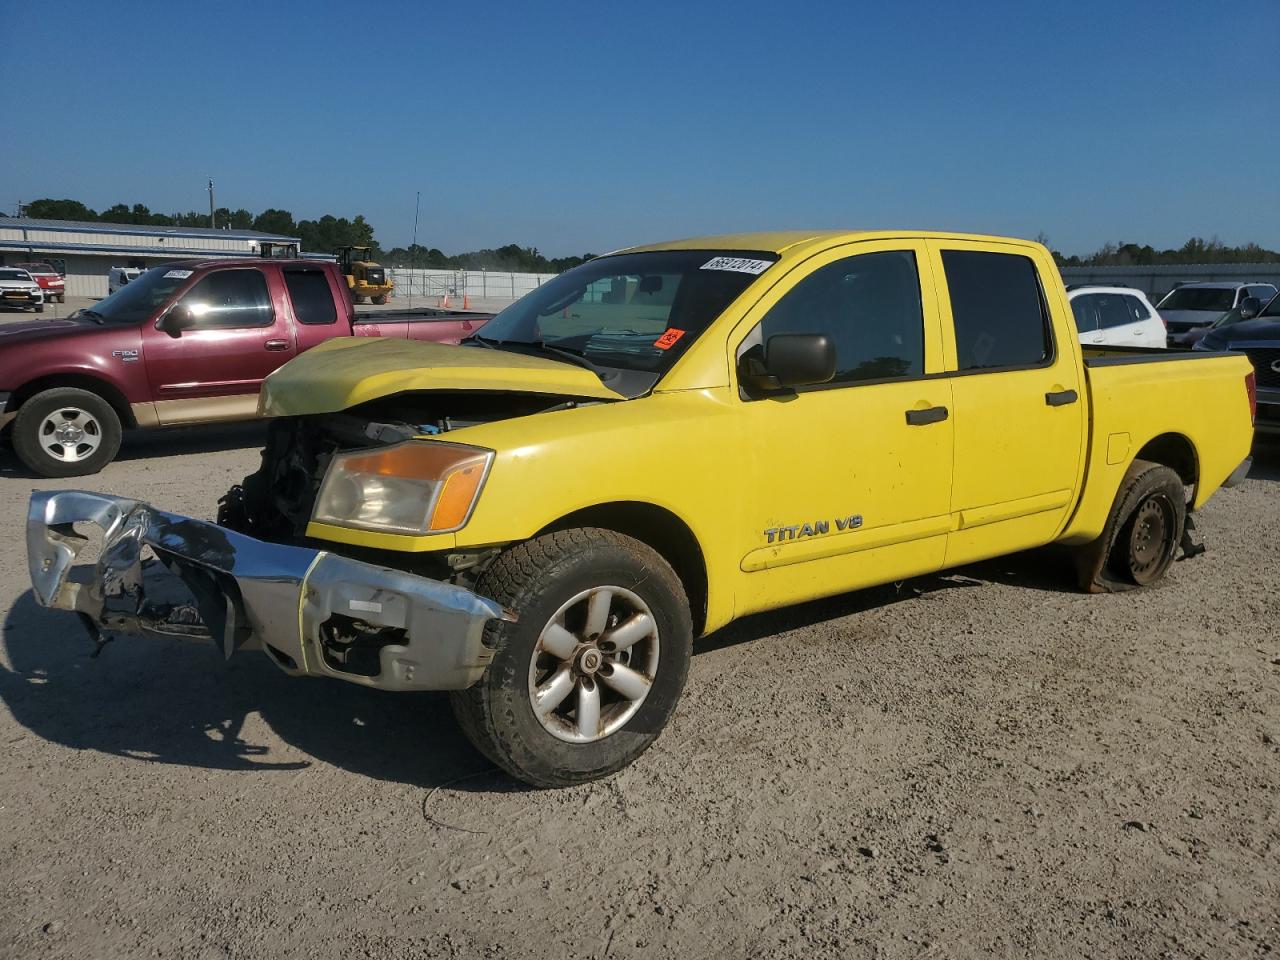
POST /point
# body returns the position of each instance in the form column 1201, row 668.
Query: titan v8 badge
column 815, row 529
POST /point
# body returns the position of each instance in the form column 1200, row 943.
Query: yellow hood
column 347, row 371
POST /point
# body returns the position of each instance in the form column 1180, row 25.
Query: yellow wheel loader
column 366, row 280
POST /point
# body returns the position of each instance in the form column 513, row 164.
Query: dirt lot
column 980, row 764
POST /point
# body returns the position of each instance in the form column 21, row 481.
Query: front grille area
column 1263, row 360
column 375, row 275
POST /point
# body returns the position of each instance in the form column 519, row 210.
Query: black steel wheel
column 1154, row 512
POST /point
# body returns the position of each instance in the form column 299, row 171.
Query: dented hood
column 348, row 371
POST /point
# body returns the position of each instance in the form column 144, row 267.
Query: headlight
column 413, row 487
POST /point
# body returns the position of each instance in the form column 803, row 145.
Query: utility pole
column 416, row 203
column 212, row 225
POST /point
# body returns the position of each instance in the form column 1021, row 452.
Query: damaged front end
column 313, row 612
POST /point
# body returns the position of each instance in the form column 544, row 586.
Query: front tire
column 380, row 300
column 66, row 432
column 588, row 676
column 39, row 308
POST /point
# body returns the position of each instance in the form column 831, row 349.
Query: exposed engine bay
column 276, row 502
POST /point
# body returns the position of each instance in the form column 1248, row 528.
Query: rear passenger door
column 1016, row 379
column 1120, row 327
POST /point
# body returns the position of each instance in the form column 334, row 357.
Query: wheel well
column 660, row 529
column 81, row 382
column 1175, row 451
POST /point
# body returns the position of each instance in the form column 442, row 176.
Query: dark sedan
column 1259, row 337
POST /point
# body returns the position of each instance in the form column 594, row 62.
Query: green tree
column 47, row 209
column 276, row 221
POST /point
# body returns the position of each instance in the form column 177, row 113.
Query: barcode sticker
column 737, row 264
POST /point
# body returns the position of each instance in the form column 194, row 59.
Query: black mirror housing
column 177, row 319
column 1250, row 307
column 789, row 360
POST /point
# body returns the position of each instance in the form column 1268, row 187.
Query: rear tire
column 571, row 696
column 1142, row 534
column 66, row 432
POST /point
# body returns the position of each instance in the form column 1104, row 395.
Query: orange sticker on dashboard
column 668, row 339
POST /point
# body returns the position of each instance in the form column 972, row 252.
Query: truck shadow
column 1048, row 569
column 1266, row 458
column 167, row 442
column 180, row 703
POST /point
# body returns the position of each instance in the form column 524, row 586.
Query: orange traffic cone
column 466, row 301
column 444, row 302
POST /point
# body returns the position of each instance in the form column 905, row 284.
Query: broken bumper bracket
column 245, row 592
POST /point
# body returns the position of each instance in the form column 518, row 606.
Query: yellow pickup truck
column 542, row 519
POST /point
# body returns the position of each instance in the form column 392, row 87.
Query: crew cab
column 664, row 439
column 49, row 280
column 189, row 342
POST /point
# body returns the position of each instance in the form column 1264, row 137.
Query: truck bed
column 1192, row 402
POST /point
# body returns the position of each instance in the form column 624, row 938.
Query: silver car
column 19, row 289
column 1195, row 305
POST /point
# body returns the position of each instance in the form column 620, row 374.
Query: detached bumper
column 314, row 613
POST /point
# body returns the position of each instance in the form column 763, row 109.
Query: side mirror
column 788, row 360
column 179, row 318
column 1250, row 307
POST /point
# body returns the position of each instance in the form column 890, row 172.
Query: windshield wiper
column 91, row 314
column 483, row 341
column 572, row 356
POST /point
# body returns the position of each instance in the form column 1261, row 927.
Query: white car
column 19, row 289
column 120, row 276
column 1116, row 317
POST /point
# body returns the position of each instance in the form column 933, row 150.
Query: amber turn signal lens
column 459, row 493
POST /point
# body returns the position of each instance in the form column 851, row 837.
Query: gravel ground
column 984, row 763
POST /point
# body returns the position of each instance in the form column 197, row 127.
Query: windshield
column 1199, row 298
column 1272, row 309
column 634, row 311
column 43, row 269
column 14, row 275
column 142, row 297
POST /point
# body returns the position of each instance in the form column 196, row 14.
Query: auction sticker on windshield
column 737, row 264
column 177, row 274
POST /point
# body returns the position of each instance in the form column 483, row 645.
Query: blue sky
column 576, row 127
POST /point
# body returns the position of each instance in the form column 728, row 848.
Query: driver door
column 214, row 369
column 849, row 482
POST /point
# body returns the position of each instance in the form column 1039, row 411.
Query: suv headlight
column 412, row 487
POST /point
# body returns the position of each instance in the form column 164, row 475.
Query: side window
column 1086, row 313
column 999, row 313
column 869, row 305
column 228, row 299
column 1137, row 308
column 311, row 297
column 1113, row 310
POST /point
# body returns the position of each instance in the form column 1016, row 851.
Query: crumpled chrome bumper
column 313, row 612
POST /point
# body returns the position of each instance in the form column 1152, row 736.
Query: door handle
column 918, row 418
column 277, row 344
column 1060, row 398
column 1137, row 333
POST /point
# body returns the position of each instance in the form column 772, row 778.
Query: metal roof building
column 85, row 252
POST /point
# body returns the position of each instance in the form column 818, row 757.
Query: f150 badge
column 125, row 356
column 815, row 529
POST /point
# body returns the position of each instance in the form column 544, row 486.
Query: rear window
column 1200, row 298
column 312, row 299
column 997, row 308
column 40, row 268
column 1113, row 310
